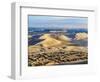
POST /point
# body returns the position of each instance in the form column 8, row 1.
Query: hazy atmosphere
column 57, row 22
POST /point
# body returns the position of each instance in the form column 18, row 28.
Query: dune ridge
column 52, row 40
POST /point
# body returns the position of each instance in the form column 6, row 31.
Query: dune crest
column 64, row 38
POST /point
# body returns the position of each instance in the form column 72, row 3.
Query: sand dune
column 81, row 36
column 45, row 36
column 50, row 40
column 64, row 38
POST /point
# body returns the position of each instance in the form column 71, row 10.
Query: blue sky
column 57, row 22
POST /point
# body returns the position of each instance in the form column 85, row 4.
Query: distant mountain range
column 31, row 29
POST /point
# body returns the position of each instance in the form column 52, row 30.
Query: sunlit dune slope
column 52, row 41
